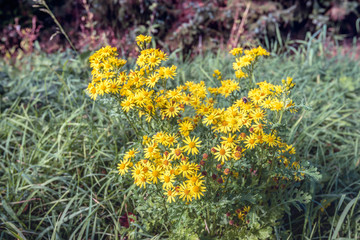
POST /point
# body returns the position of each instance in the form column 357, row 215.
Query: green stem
column 132, row 125
column 43, row 2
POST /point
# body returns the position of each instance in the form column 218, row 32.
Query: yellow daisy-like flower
column 167, row 179
column 271, row 140
column 114, row 86
column 250, row 141
column 186, row 169
column 102, row 88
column 185, row 192
column 176, row 153
column 154, row 174
column 131, row 153
column 222, row 153
column 123, row 167
column 171, row 110
column 186, row 126
column 192, row 145
column 151, row 150
column 127, row 104
column 197, row 190
column 137, row 172
column 230, row 140
column 152, row 80
column 170, row 194
column 142, row 181
column 194, row 179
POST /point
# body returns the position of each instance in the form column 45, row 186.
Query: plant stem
column 43, row 2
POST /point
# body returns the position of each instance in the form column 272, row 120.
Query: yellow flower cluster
column 170, row 155
column 244, row 62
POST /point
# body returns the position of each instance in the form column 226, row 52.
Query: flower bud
column 214, row 176
column 205, row 156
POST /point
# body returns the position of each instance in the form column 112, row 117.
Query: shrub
column 207, row 159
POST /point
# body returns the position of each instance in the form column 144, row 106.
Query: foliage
column 194, row 26
column 58, row 149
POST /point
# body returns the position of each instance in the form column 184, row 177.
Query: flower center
column 177, row 152
column 184, row 167
column 222, row 151
column 155, row 173
column 191, row 145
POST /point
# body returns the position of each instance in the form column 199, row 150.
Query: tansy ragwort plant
column 211, row 155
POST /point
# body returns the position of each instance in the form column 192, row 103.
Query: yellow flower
column 171, row 110
column 170, row 72
column 123, row 167
column 186, row 169
column 257, row 115
column 222, row 153
column 176, row 153
column 192, row 145
column 236, row 51
column 185, row 192
column 152, row 80
column 151, row 150
column 197, row 190
column 230, row 140
column 91, row 90
column 130, row 154
column 102, row 87
column 154, row 174
column 186, row 126
column 194, row 179
column 250, row 141
column 171, row 193
column 137, row 172
column 127, row 104
column 271, row 140
column 167, row 179
column 153, row 60
column 141, row 181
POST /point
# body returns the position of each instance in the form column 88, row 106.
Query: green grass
column 59, row 149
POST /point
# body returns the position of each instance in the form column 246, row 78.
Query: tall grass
column 59, row 149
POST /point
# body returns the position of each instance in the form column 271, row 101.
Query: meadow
column 59, row 149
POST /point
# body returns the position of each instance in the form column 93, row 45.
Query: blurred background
column 192, row 26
